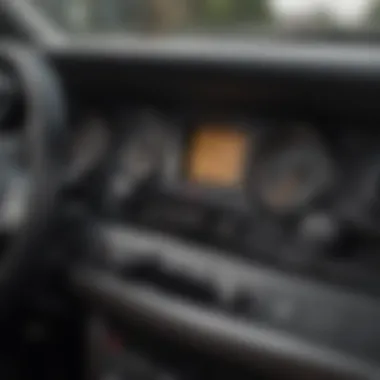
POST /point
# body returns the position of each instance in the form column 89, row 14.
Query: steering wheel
column 29, row 197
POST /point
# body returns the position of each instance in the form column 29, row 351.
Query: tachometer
column 144, row 151
column 294, row 174
column 141, row 154
column 89, row 146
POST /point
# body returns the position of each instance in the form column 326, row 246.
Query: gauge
column 90, row 143
column 145, row 148
column 294, row 174
column 142, row 153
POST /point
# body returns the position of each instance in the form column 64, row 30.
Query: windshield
column 168, row 16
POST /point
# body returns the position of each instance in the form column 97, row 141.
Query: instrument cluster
column 242, row 182
column 233, row 162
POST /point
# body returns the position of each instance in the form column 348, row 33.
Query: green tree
column 374, row 13
column 219, row 11
column 230, row 11
column 257, row 11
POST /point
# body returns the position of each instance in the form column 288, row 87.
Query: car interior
column 187, row 208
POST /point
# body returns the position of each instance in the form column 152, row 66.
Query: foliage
column 374, row 13
column 228, row 12
column 257, row 10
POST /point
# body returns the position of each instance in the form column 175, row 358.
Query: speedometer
column 295, row 174
column 89, row 146
column 141, row 154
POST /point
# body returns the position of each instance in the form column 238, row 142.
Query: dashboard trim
column 211, row 332
column 316, row 311
column 297, row 79
column 333, row 58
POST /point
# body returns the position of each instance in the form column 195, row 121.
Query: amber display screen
column 217, row 156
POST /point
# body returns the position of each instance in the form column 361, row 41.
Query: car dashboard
column 300, row 195
column 233, row 207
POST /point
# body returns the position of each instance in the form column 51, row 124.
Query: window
column 245, row 16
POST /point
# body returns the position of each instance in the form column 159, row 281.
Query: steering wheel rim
column 45, row 132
